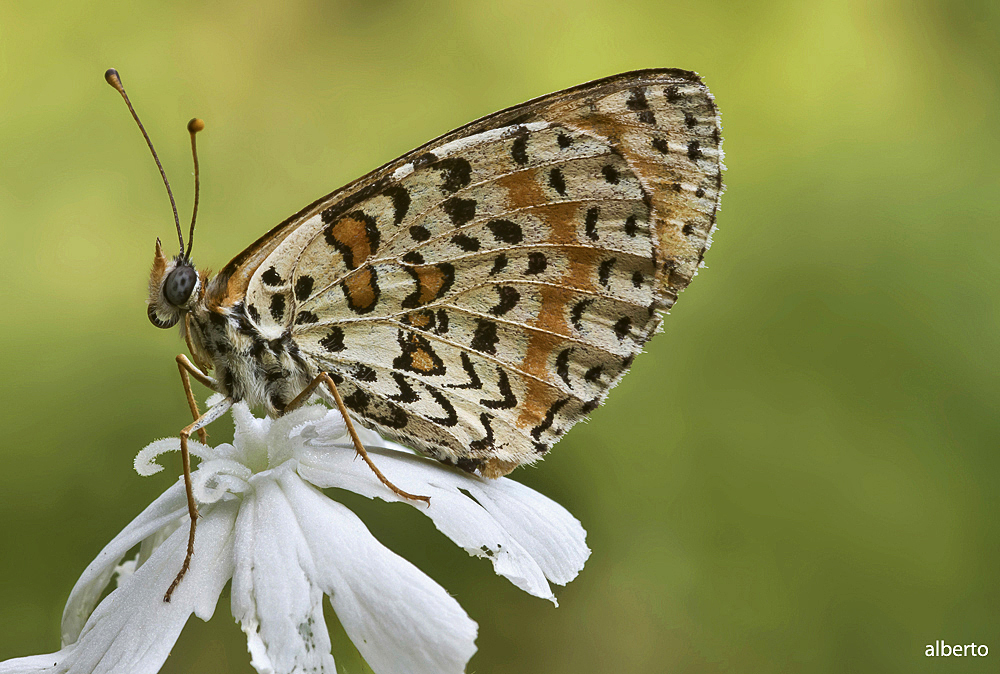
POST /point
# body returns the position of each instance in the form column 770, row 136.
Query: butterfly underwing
column 478, row 296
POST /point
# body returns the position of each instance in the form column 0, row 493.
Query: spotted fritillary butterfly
column 478, row 296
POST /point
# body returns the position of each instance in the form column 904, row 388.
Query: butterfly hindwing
column 480, row 295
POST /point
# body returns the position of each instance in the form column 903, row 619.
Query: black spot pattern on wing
column 361, row 403
column 459, row 210
column 622, row 327
column 271, row 277
column 451, row 416
column 562, row 365
column 457, row 173
column 576, row 314
column 406, row 393
column 278, row 307
column 487, row 442
column 364, row 373
column 469, row 244
column 503, row 384
column 593, row 213
column 400, row 202
column 506, row 231
column 485, row 339
column 303, row 288
column 557, row 181
column 537, row 263
column 334, row 340
column 474, row 381
column 509, row 297
column 604, row 271
column 498, row 264
column 637, row 101
column 519, row 148
column 550, row 417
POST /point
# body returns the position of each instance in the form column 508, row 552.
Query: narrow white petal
column 401, row 621
column 133, row 630
column 550, row 534
column 50, row 663
column 279, row 608
column 145, row 461
column 526, row 535
column 217, row 477
column 169, row 507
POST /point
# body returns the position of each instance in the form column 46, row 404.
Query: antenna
column 194, row 126
column 116, row 81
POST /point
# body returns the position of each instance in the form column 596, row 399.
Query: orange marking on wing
column 352, row 233
column 538, row 398
column 494, row 468
column 604, row 126
column 552, row 313
column 523, row 189
column 360, row 288
column 542, row 345
column 583, row 263
column 430, row 280
column 420, row 319
column 421, row 360
column 564, row 221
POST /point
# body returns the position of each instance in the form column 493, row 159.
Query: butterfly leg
column 208, row 417
column 185, row 366
column 324, row 378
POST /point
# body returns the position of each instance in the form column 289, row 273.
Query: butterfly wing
column 478, row 296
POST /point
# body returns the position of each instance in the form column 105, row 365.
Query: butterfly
column 476, row 297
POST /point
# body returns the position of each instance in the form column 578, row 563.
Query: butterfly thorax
column 263, row 370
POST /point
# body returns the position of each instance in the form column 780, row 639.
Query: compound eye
column 179, row 284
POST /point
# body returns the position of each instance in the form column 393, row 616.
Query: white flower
column 266, row 524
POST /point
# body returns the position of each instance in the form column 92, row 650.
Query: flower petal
column 145, row 461
column 526, row 535
column 401, row 621
column 169, row 507
column 279, row 608
column 133, row 629
column 550, row 534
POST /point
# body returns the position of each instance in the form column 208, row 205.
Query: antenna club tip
column 196, row 125
column 112, row 78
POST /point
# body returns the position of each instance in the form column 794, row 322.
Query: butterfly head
column 174, row 288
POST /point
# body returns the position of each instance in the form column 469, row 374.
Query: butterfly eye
column 179, row 284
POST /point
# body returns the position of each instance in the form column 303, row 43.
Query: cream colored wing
column 480, row 295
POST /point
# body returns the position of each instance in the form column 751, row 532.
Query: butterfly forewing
column 480, row 295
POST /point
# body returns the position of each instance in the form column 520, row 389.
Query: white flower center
column 259, row 447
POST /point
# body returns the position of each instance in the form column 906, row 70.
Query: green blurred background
column 799, row 475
